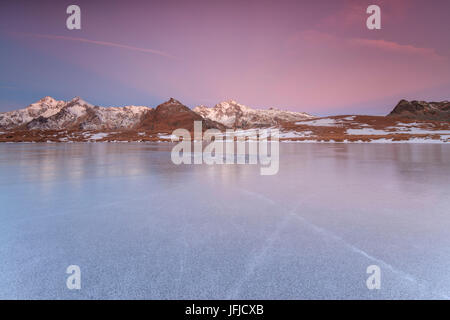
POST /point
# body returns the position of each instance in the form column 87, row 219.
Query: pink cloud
column 396, row 47
column 322, row 38
column 327, row 69
column 101, row 43
column 349, row 15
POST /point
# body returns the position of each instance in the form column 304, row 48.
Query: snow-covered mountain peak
column 231, row 107
column 77, row 114
column 51, row 114
column 47, row 100
column 80, row 101
column 45, row 107
column 236, row 115
column 45, row 103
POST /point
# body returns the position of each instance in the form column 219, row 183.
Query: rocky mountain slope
column 171, row 115
column 49, row 114
column 422, row 110
column 234, row 115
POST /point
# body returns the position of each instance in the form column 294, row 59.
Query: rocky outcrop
column 422, row 110
column 172, row 115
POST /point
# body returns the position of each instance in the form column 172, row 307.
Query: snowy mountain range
column 50, row 120
column 235, row 115
column 77, row 114
column 51, row 114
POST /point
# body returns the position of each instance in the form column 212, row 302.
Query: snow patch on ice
column 325, row 122
column 98, row 136
column 166, row 136
column 367, row 131
column 415, row 130
column 382, row 140
column 295, row 134
column 397, row 130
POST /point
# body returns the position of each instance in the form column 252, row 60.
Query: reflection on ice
column 141, row 227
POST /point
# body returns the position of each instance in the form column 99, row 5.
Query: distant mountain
column 50, row 120
column 79, row 115
column 46, row 107
column 171, row 115
column 422, row 110
column 234, row 115
column 76, row 114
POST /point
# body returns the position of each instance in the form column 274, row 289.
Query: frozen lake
column 140, row 227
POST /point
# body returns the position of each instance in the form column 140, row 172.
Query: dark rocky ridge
column 171, row 115
column 422, row 110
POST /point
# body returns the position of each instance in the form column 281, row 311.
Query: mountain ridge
column 51, row 120
column 422, row 110
column 234, row 115
column 77, row 114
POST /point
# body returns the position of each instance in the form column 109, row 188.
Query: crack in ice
column 258, row 258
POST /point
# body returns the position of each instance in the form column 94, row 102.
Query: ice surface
column 141, row 227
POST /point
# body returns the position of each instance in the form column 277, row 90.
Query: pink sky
column 314, row 56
